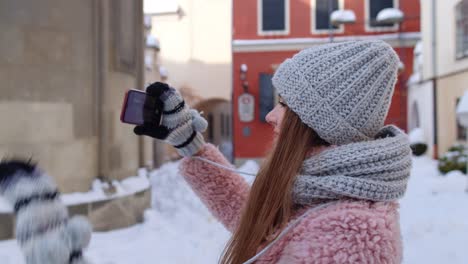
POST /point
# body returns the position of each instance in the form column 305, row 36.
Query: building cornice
column 407, row 39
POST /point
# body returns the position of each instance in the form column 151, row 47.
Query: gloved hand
column 180, row 126
column 43, row 229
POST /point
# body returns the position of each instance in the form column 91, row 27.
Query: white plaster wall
column 445, row 40
column 422, row 95
column 196, row 48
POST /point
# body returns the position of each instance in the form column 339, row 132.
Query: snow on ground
column 179, row 229
column 434, row 216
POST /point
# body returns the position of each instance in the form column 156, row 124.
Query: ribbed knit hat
column 341, row 90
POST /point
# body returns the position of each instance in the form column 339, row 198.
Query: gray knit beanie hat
column 341, row 90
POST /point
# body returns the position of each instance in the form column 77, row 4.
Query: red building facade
column 266, row 32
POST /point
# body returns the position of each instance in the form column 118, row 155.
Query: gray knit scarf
column 376, row 170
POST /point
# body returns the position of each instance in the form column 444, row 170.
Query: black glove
column 179, row 125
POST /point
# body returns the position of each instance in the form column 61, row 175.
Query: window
column 273, row 17
column 321, row 12
column 373, row 7
column 266, row 95
column 461, row 17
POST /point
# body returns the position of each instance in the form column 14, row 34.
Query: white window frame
column 314, row 30
column 262, row 32
column 368, row 28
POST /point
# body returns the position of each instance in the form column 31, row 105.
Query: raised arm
column 222, row 191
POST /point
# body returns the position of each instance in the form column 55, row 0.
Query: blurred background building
column 66, row 65
column 268, row 31
column 440, row 75
column 196, row 38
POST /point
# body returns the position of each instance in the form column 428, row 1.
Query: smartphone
column 133, row 105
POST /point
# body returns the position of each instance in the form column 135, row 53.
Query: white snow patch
column 390, row 15
column 414, row 78
column 433, row 216
column 418, row 48
column 250, row 167
column 125, row 187
column 462, row 110
column 343, row 16
column 401, row 66
column 418, row 64
column 416, row 136
column 152, row 42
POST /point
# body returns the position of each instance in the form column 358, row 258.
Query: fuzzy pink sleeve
column 222, row 191
column 347, row 235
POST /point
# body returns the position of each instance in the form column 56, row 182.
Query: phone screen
column 133, row 109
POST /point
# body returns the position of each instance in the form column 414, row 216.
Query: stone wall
column 104, row 215
column 47, row 107
column 64, row 72
column 65, row 66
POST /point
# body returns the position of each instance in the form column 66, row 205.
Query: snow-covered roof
column 343, row 17
column 152, row 42
column 390, row 15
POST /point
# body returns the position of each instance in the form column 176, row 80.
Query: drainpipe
column 434, row 74
column 140, row 74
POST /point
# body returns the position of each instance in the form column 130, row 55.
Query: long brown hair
column 270, row 204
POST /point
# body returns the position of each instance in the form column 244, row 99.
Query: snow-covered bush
column 417, row 143
column 418, row 148
column 454, row 159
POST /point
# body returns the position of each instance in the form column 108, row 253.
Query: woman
column 327, row 191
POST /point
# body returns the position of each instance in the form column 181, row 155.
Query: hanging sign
column 246, row 104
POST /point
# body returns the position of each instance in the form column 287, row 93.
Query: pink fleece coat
column 349, row 231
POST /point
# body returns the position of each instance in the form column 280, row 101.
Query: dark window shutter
column 323, row 12
column 267, row 99
column 273, row 15
column 375, row 6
